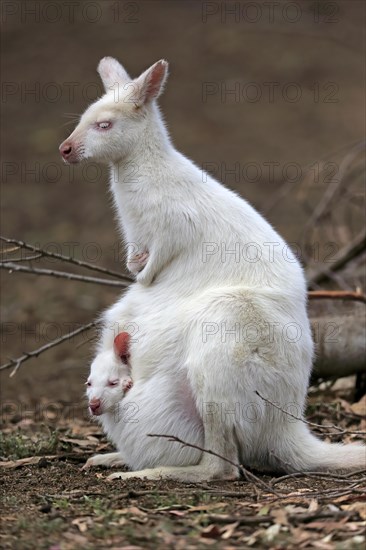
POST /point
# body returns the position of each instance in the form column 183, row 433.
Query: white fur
column 191, row 380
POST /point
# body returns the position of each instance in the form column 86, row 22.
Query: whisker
column 76, row 115
column 68, row 123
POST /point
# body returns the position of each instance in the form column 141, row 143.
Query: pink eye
column 113, row 383
column 104, row 125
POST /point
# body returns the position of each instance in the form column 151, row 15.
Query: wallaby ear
column 121, row 346
column 150, row 83
column 112, row 72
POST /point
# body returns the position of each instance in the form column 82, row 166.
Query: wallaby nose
column 94, row 405
column 65, row 149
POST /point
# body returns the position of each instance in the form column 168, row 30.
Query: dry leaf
column 359, row 408
column 177, row 513
column 82, row 523
column 78, row 539
column 271, row 532
column 131, row 510
column 253, row 537
column 359, row 507
column 313, row 506
column 229, row 530
column 211, row 532
column 206, row 507
column 280, row 516
column 79, row 442
column 31, row 460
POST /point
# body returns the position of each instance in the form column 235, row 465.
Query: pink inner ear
column 121, row 346
column 155, row 80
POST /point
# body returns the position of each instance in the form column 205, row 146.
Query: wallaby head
column 111, row 127
column 108, row 382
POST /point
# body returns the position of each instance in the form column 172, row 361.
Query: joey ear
column 121, row 346
column 150, row 83
column 112, row 72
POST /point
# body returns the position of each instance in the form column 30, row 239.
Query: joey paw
column 136, row 263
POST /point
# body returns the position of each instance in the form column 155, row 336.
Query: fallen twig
column 293, row 518
column 319, row 475
column 340, row 431
column 35, row 353
column 249, row 476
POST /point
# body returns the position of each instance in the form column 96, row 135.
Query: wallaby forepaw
column 136, row 263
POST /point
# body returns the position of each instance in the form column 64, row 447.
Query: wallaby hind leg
column 210, row 467
column 205, row 366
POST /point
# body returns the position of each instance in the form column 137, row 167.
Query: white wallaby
column 217, row 312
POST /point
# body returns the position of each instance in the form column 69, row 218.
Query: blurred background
column 268, row 97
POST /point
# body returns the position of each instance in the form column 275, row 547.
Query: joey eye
column 104, row 125
column 88, row 384
column 113, row 383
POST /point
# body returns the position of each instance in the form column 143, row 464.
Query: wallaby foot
column 187, row 474
column 109, row 460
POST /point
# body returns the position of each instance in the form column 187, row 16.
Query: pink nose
column 66, row 149
column 94, row 405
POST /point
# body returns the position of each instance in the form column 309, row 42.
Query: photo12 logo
column 69, row 11
column 269, row 252
column 236, row 91
column 269, row 12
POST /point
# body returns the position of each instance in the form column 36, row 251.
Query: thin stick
column 288, row 184
column 64, row 258
column 348, row 253
column 339, row 431
column 35, row 353
column 333, row 189
column 26, row 259
column 9, row 266
column 336, row 295
column 246, row 474
column 318, row 475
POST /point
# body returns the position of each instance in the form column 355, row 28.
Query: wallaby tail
column 301, row 451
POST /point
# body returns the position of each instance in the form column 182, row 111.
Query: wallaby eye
column 104, row 125
column 112, row 382
column 88, row 383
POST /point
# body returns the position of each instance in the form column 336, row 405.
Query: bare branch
column 9, row 266
column 333, row 189
column 289, row 184
column 336, row 295
column 35, row 353
column 64, row 258
column 339, row 430
column 348, row 253
column 251, row 478
column 26, row 259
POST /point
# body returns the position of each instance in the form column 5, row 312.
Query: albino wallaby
column 116, row 379
column 219, row 309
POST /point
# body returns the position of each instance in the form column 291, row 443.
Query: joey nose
column 94, row 405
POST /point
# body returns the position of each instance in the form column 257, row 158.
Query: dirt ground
column 50, row 503
column 48, row 62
